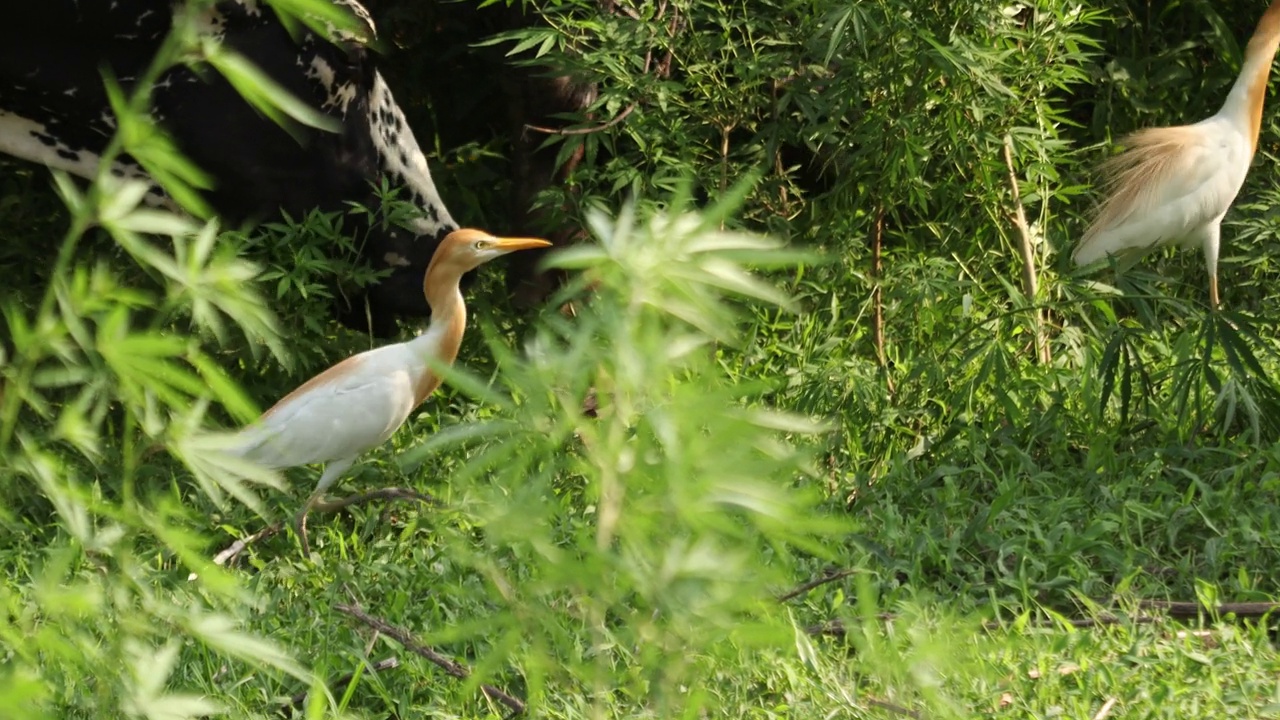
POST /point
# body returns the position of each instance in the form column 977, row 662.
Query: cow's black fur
column 53, row 110
column 483, row 94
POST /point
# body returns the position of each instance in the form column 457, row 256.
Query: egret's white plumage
column 360, row 402
column 1173, row 185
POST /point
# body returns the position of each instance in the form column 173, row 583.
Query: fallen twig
column 1101, row 620
column 897, row 709
column 829, row 575
column 1105, row 710
column 837, row 627
column 1182, row 609
column 338, row 685
column 451, row 667
column 1177, row 609
column 233, row 550
column 239, row 546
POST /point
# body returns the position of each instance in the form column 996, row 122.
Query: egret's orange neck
column 448, row 321
column 1250, row 89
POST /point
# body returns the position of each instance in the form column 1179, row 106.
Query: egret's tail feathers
column 1114, row 243
column 245, row 444
column 219, row 467
column 218, row 440
column 1132, row 183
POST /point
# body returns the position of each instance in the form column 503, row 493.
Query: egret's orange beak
column 513, row 244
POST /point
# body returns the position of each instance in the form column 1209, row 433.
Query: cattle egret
column 1173, row 185
column 360, row 402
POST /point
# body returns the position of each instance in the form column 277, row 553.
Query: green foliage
column 99, row 374
column 624, row 493
column 652, row 528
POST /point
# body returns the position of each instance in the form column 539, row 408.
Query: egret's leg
column 1212, row 236
column 331, row 473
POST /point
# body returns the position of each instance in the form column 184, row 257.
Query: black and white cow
column 53, row 110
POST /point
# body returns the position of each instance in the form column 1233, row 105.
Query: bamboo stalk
column 877, row 303
column 1029, row 283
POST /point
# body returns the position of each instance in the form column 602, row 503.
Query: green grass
column 933, row 656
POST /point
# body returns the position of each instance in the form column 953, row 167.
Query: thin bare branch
column 586, row 130
column 895, row 709
column 625, row 10
column 1180, row 610
column 451, row 667
column 1102, row 620
column 830, row 575
column 838, row 628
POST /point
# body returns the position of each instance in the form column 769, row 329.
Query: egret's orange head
column 467, row 249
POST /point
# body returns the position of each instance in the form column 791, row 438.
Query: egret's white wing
column 340, row 413
column 1166, row 187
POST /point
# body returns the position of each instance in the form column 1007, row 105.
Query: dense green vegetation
column 810, row 349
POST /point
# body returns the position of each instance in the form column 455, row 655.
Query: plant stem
column 84, row 217
column 1029, row 285
column 877, row 304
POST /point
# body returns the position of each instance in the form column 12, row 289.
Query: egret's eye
column 481, row 244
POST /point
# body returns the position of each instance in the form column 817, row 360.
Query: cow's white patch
column 362, row 15
column 250, row 7
column 402, row 158
column 338, row 96
column 25, row 138
column 210, row 23
column 395, row 259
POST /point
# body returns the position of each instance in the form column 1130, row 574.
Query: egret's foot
column 315, row 503
column 389, row 493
